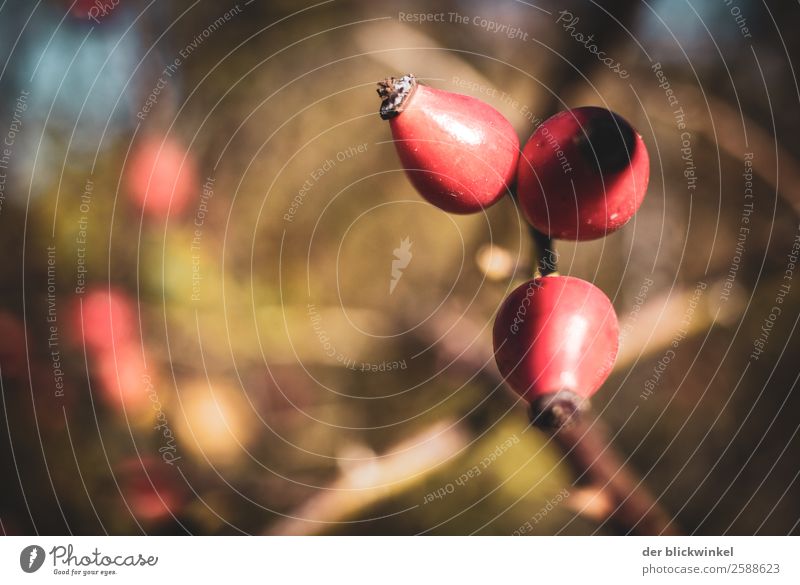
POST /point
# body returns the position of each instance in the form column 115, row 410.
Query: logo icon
column 402, row 256
column 31, row 558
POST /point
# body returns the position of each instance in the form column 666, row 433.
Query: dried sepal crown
column 394, row 91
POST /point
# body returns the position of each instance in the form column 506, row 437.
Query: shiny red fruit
column 583, row 174
column 556, row 335
column 161, row 177
column 459, row 152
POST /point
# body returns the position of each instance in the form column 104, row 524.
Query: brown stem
column 543, row 253
column 595, row 463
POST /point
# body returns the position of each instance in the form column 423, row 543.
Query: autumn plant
column 582, row 175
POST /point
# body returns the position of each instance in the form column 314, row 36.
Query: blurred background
column 200, row 331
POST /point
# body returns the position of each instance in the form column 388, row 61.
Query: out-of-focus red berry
column 161, row 177
column 120, row 378
column 104, row 319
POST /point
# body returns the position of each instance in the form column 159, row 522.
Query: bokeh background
column 199, row 211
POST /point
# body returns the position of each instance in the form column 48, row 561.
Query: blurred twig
column 364, row 483
column 577, row 62
column 586, row 447
column 630, row 508
column 726, row 128
column 463, row 344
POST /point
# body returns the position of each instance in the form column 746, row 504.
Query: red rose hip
column 555, row 342
column 459, row 152
column 583, row 174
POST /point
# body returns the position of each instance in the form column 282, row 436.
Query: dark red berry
column 459, row 152
column 555, row 342
column 583, row 174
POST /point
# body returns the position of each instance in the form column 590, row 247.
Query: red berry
column 555, row 341
column 583, row 174
column 109, row 320
column 161, row 177
column 119, row 377
column 113, row 348
column 459, row 152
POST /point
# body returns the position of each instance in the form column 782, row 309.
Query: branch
column 367, row 481
column 594, row 461
column 596, row 464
